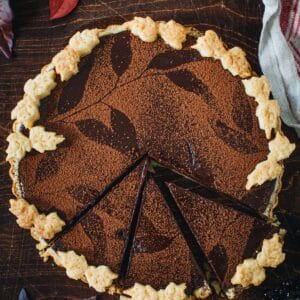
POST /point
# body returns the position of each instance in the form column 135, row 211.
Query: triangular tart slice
column 159, row 253
column 226, row 236
column 102, row 233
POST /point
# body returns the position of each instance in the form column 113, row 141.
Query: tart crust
column 65, row 64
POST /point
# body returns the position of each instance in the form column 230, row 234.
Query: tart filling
column 187, row 109
column 221, row 232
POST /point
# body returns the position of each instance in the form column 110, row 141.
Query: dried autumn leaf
column 6, row 34
column 61, row 8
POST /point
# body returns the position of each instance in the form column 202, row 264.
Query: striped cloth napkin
column 279, row 56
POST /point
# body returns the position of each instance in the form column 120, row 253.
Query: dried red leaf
column 6, row 34
column 61, row 8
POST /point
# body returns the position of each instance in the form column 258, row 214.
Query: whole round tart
column 153, row 167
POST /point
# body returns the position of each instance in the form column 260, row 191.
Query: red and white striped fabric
column 290, row 26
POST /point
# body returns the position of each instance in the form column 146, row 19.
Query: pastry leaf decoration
column 61, row 8
column 82, row 193
column 189, row 82
column 73, row 90
column 151, row 243
column 216, row 255
column 94, row 229
column 234, row 138
column 241, row 111
column 172, row 59
column 48, row 165
column 6, row 34
column 121, row 136
column 121, row 53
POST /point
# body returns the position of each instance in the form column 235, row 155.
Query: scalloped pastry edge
column 267, row 111
column 81, row 44
column 252, row 270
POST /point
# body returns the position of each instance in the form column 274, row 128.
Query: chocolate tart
column 117, row 114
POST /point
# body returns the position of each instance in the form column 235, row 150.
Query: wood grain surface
column 37, row 40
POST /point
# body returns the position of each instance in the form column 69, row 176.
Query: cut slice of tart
column 101, row 233
column 226, row 236
column 160, row 251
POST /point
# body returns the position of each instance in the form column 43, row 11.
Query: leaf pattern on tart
column 218, row 253
column 121, row 53
column 121, row 136
column 146, row 225
column 75, row 87
column 48, row 107
column 259, row 196
column 241, row 110
column 200, row 166
column 151, row 241
column 259, row 232
column 188, row 81
column 48, row 166
column 158, row 237
column 82, row 193
column 121, row 234
column 94, row 229
column 171, row 59
column 233, row 138
column 124, row 129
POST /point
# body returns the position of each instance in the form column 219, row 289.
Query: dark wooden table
column 37, row 40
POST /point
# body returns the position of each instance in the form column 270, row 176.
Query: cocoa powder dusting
column 188, row 114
